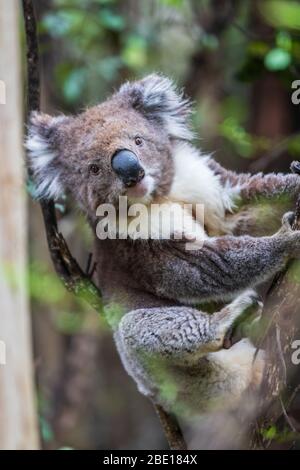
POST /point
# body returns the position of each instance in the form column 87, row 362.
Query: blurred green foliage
column 281, row 13
column 102, row 44
column 281, row 436
column 97, row 44
column 70, row 314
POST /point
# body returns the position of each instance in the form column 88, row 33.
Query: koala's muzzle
column 127, row 166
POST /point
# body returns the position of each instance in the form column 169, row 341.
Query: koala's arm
column 251, row 187
column 220, row 269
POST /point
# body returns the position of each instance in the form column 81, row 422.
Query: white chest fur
column 196, row 205
column 195, row 183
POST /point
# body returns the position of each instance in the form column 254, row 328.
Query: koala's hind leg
column 181, row 332
column 155, row 343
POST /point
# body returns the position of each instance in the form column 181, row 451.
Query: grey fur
column 157, row 98
column 173, row 351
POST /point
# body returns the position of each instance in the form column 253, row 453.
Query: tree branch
column 67, row 268
column 171, row 429
column 283, row 323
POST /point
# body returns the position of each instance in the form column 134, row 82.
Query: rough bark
column 18, row 424
column 281, row 379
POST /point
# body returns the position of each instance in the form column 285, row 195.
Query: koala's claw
column 248, row 306
column 287, row 223
column 295, row 167
column 288, row 220
column 250, row 298
column 291, row 237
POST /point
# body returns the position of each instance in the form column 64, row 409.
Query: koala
column 138, row 143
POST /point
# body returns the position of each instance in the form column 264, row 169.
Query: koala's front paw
column 290, row 237
column 287, row 221
column 295, row 167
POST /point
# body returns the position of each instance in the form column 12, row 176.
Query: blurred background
column 236, row 60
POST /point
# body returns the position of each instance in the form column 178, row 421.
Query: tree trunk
column 18, row 426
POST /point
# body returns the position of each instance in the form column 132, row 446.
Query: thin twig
column 265, row 160
column 279, row 347
column 67, row 268
column 89, row 263
column 171, row 429
column 287, row 416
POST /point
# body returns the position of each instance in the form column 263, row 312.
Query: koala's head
column 120, row 147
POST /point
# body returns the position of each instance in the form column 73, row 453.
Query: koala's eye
column 94, row 169
column 138, row 140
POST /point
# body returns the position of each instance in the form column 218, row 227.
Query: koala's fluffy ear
column 158, row 99
column 43, row 160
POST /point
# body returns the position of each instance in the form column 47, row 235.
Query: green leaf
column 294, row 272
column 281, row 13
column 236, row 134
column 269, row 433
column 109, row 67
column 74, row 85
column 284, row 41
column 63, row 22
column 44, row 286
column 233, row 107
column 173, row 3
column 69, row 322
column 135, row 52
column 258, row 48
column 277, row 59
column 209, row 41
column 112, row 21
column 294, row 146
column 105, row 2
column 46, row 430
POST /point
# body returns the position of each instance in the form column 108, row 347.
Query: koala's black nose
column 127, row 166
